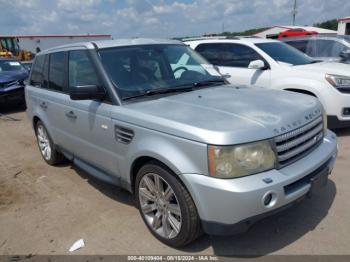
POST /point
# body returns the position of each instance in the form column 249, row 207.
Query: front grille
column 297, row 143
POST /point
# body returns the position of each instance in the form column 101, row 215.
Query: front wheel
column 166, row 206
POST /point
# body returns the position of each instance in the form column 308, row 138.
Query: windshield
column 282, row 52
column 10, row 66
column 137, row 70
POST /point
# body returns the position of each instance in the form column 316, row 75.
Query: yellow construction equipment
column 9, row 48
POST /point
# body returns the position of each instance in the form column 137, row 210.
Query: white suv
column 270, row 63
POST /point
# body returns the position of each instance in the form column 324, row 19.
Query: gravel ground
column 44, row 210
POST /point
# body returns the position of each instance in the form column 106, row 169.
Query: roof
column 7, row 59
column 253, row 40
column 113, row 43
column 307, row 28
column 344, row 19
column 320, row 36
column 57, row 36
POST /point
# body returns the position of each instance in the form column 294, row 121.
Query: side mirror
column 87, row 92
column 257, row 64
column 345, row 55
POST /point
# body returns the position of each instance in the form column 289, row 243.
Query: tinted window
column 37, row 71
column 56, row 71
column 300, row 45
column 239, row 56
column 282, row 52
column 214, row 53
column 81, row 70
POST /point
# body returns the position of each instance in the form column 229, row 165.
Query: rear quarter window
column 37, row 75
column 57, row 78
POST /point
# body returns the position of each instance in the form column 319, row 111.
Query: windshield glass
column 136, row 70
column 10, row 66
column 282, row 52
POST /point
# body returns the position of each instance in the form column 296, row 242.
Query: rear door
column 232, row 60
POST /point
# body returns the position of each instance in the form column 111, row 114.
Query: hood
column 8, row 76
column 224, row 115
column 326, row 68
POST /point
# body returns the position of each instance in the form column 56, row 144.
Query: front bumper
column 334, row 103
column 15, row 91
column 228, row 206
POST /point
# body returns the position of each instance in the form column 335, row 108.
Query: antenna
column 295, row 11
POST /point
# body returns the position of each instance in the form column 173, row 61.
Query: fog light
column 346, row 111
column 267, row 199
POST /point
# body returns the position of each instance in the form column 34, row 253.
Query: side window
column 81, row 70
column 56, row 71
column 239, row 55
column 338, row 48
column 301, row 45
column 212, row 52
column 329, row 48
column 37, row 76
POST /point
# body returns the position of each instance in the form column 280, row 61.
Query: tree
column 330, row 24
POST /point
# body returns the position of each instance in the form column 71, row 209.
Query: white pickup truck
column 273, row 64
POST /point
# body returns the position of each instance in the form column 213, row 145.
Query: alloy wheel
column 160, row 206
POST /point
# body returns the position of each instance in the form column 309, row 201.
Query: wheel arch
column 141, row 161
column 301, row 91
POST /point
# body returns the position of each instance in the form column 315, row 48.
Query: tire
column 46, row 146
column 173, row 213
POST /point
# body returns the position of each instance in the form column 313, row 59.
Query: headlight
column 338, row 81
column 241, row 160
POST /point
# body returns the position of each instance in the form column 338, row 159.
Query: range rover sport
column 154, row 117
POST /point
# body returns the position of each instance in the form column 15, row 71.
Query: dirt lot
column 44, row 210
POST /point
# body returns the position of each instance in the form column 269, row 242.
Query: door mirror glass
column 86, row 92
column 257, row 64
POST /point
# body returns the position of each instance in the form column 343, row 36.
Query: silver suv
column 325, row 48
column 154, row 117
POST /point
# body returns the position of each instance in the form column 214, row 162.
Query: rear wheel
column 166, row 206
column 46, row 146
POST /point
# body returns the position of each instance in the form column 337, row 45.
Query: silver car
column 321, row 47
column 154, row 117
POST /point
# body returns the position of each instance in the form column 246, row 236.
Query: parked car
column 296, row 32
column 27, row 64
column 273, row 64
column 154, row 117
column 12, row 77
column 325, row 48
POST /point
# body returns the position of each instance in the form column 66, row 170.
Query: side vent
column 123, row 135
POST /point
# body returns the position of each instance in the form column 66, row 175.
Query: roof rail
column 208, row 37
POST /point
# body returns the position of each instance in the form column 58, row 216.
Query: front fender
column 180, row 155
column 315, row 87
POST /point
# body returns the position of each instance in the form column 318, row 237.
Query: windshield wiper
column 208, row 82
column 180, row 88
column 316, row 61
column 160, row 91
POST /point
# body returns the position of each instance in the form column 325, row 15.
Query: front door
column 90, row 120
column 233, row 61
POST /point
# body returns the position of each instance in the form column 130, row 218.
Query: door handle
column 226, row 75
column 71, row 114
column 43, row 105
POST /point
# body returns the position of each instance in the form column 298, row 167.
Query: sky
column 158, row 18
